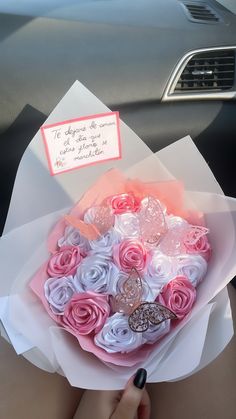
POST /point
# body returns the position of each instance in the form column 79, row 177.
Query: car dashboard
column 167, row 66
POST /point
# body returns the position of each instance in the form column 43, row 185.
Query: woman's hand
column 131, row 403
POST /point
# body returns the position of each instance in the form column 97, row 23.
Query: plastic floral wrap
column 33, row 235
column 124, row 267
column 174, row 347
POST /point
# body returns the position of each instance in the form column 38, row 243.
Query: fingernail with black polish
column 140, row 378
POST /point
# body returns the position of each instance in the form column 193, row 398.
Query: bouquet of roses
column 123, row 271
column 127, row 277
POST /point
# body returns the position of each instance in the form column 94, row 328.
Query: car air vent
column 209, row 71
column 201, row 12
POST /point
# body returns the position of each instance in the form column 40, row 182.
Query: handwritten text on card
column 81, row 142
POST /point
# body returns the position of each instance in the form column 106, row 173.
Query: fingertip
column 140, row 378
column 134, row 396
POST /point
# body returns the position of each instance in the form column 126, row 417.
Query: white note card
column 82, row 142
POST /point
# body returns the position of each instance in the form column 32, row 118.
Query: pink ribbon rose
column 178, row 295
column 201, row 247
column 64, row 262
column 86, row 313
column 125, row 202
column 130, row 254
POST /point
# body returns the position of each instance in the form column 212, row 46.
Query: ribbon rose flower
column 194, row 267
column 58, row 291
column 160, row 270
column 130, row 254
column 96, row 273
column 125, row 202
column 104, row 244
column 201, row 247
column 86, row 313
column 116, row 335
column 64, row 262
column 72, row 237
column 178, row 295
column 127, row 225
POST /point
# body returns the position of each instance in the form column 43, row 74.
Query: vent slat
column 215, row 72
column 201, row 12
column 208, row 80
column 211, row 65
column 194, row 6
column 215, row 58
column 206, row 18
column 200, row 73
column 202, row 88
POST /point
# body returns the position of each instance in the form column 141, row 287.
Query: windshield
column 229, row 4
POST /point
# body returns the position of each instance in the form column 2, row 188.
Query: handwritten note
column 81, row 142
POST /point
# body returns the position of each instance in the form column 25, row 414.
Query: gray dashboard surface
column 124, row 52
column 130, row 12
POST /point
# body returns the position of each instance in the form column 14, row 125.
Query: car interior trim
column 170, row 95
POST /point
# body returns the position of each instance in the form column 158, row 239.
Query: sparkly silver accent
column 149, row 313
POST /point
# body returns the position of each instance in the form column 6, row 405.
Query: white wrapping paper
column 199, row 338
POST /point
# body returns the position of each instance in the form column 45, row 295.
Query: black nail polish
column 140, row 378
